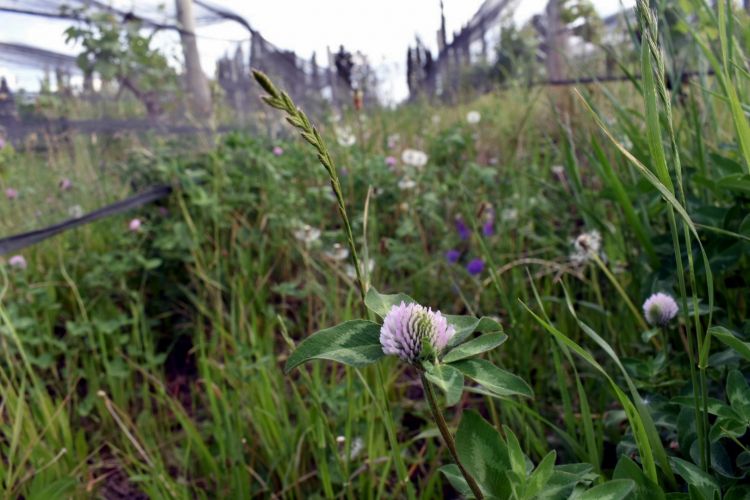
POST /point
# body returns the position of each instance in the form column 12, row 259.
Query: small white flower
column 307, row 234
column 393, row 140
column 558, row 170
column 75, row 211
column 509, row 214
column 473, row 117
column 353, row 274
column 406, row 184
column 345, row 137
column 414, row 158
column 337, row 252
column 357, row 446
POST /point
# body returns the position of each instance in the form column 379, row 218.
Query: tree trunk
column 197, row 84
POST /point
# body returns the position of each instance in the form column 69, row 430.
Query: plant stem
column 445, row 432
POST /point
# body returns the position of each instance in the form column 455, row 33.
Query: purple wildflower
column 17, row 261
column 65, row 184
column 11, row 194
column 406, row 326
column 488, row 229
column 452, row 255
column 463, row 230
column 659, row 309
column 475, row 266
column 135, row 225
column 391, row 161
column 278, row 150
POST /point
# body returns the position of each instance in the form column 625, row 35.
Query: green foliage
column 120, row 52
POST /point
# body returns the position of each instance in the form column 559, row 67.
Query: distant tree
column 581, row 18
column 118, row 51
column 344, row 65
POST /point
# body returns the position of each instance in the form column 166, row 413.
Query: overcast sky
column 382, row 29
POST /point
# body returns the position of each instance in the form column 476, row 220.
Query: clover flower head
column 307, row 234
column 65, row 184
column 391, row 161
column 660, row 309
column 135, row 225
column 473, row 117
column 11, row 193
column 586, row 246
column 475, row 266
column 17, row 261
column 393, row 141
column 414, row 158
column 278, row 150
column 406, row 184
column 407, row 326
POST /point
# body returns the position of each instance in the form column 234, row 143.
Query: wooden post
column 197, row 85
column 556, row 42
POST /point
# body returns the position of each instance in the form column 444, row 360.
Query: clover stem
column 447, row 437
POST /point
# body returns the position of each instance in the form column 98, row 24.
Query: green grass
column 151, row 362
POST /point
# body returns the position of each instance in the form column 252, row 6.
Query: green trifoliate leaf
column 448, row 379
column 494, row 379
column 353, row 343
column 612, row 490
column 484, row 454
column 475, row 346
column 466, row 325
column 380, row 303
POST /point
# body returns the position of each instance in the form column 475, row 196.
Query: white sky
column 382, row 29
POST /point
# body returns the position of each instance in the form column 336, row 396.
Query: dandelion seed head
column 406, row 184
column 586, row 246
column 473, row 117
column 660, row 309
column 414, row 158
column 345, row 137
column 407, row 326
column 75, row 211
